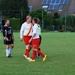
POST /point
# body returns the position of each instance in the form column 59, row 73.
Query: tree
column 46, row 17
column 70, row 22
column 12, row 8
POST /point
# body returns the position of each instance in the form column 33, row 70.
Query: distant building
column 52, row 6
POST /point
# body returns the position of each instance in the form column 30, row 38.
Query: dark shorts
column 8, row 42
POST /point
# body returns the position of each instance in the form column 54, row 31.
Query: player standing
column 8, row 38
column 35, row 41
column 39, row 27
column 25, row 34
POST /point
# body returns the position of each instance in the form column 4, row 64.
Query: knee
column 12, row 46
column 27, row 47
column 35, row 49
column 7, row 46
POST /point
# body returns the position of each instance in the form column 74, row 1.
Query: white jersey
column 26, row 30
column 36, row 30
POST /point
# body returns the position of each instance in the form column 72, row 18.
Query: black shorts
column 8, row 42
column 40, row 39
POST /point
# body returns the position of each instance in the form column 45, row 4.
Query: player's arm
column 12, row 34
column 21, row 32
column 34, row 33
column 32, row 37
column 13, row 37
column 5, row 34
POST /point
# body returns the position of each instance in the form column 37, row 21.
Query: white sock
column 10, row 50
column 7, row 52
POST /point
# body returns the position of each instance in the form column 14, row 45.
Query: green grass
column 60, row 51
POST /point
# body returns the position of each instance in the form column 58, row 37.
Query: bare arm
column 32, row 37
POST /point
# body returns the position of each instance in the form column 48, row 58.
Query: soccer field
column 60, row 51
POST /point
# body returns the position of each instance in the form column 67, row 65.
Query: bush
column 15, row 23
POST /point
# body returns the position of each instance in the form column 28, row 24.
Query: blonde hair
column 27, row 17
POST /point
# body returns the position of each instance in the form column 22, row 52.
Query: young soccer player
column 35, row 41
column 8, row 38
column 25, row 34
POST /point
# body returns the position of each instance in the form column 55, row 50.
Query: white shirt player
column 26, row 30
column 35, row 30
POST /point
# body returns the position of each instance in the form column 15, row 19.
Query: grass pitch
column 60, row 51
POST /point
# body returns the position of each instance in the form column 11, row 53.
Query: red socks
column 39, row 52
column 27, row 52
column 33, row 54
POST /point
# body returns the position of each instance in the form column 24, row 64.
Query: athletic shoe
column 28, row 58
column 25, row 56
column 44, row 58
column 31, row 60
column 37, row 56
column 10, row 55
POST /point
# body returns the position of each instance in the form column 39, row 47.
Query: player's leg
column 37, row 55
column 35, row 45
column 27, row 50
column 11, row 46
column 39, row 52
column 7, row 47
column 42, row 54
column 10, row 49
column 7, row 50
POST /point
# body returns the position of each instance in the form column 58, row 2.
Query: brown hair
column 35, row 20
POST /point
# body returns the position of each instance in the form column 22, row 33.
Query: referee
column 8, row 38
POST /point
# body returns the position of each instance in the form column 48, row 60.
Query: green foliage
column 46, row 17
column 70, row 22
column 15, row 23
column 56, row 15
column 10, row 7
column 54, row 22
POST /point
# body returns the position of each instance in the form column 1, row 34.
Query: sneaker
column 31, row 60
column 10, row 55
column 37, row 56
column 44, row 58
column 25, row 56
column 28, row 58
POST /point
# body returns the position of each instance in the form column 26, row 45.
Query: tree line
column 19, row 9
column 55, row 22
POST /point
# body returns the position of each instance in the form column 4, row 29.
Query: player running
column 8, row 38
column 35, row 41
column 25, row 34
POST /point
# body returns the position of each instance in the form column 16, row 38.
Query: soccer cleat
column 31, row 60
column 44, row 58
